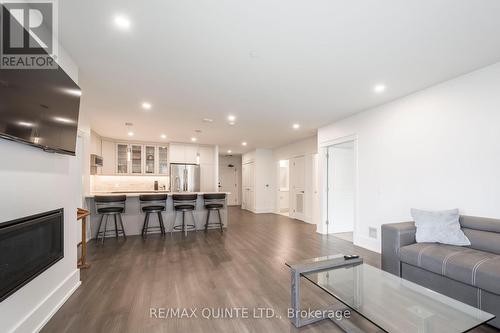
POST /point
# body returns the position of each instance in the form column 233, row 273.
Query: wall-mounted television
column 39, row 107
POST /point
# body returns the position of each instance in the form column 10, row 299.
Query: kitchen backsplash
column 127, row 183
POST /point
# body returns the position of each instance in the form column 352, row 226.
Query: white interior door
column 248, row 200
column 283, row 187
column 297, row 188
column 228, row 182
column 341, row 187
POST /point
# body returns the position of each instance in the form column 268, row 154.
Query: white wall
column 436, row 149
column 303, row 147
column 308, row 148
column 34, row 181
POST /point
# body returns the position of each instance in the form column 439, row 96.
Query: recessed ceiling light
column 208, row 120
column 296, row 126
column 25, row 124
column 130, row 133
column 244, row 143
column 229, row 151
column 63, row 120
column 122, row 22
column 194, row 139
column 163, row 136
column 231, row 118
column 232, row 123
column 146, row 106
column 379, row 88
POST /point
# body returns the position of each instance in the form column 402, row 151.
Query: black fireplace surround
column 29, row 246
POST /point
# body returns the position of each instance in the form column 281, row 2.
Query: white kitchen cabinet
column 108, row 157
column 129, row 159
column 207, row 182
column 163, row 160
column 190, row 153
column 95, row 144
column 122, row 158
column 150, row 159
column 207, row 155
column 185, row 153
column 177, row 153
column 136, row 159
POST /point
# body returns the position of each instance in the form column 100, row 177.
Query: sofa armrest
column 394, row 237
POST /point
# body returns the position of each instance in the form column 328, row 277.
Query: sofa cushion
column 483, row 233
column 457, row 263
column 439, row 227
column 480, row 223
column 483, row 240
column 488, row 276
column 430, row 256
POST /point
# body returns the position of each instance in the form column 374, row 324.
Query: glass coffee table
column 389, row 302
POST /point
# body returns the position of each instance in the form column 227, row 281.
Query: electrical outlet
column 372, row 232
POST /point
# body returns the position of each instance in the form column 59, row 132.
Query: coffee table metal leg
column 296, row 318
column 296, row 270
column 295, row 298
column 347, row 326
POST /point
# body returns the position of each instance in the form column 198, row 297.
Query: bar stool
column 150, row 204
column 110, row 205
column 214, row 202
column 184, row 203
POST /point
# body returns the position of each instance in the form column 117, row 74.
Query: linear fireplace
column 28, row 246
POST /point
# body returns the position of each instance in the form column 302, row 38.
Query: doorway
column 230, row 178
column 248, row 192
column 284, row 187
column 297, row 188
column 341, row 189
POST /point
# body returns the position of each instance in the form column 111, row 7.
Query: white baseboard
column 341, row 228
column 264, row 211
column 367, row 243
column 39, row 317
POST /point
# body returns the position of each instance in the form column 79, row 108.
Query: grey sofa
column 469, row 274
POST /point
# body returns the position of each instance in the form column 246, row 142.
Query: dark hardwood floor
column 244, row 267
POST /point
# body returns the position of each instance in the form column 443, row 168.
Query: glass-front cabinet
column 122, row 158
column 136, row 159
column 150, row 160
column 139, row 159
column 163, row 160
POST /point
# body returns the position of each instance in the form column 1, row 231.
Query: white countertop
column 132, row 194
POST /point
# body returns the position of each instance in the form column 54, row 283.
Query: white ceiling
column 269, row 62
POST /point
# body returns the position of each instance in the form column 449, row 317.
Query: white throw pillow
column 439, row 227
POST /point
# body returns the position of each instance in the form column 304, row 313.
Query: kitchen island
column 133, row 218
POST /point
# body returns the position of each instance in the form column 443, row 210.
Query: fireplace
column 29, row 246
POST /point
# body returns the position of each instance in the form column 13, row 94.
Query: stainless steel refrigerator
column 184, row 177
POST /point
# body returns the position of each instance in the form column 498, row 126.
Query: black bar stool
column 110, row 205
column 184, row 203
column 214, row 202
column 150, row 204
